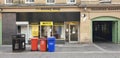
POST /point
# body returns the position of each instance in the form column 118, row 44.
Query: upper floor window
column 71, row 1
column 105, row 1
column 50, row 1
column 29, row 1
column 8, row 1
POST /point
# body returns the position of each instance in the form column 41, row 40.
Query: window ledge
column 9, row 3
column 29, row 2
column 71, row 2
column 105, row 1
column 50, row 3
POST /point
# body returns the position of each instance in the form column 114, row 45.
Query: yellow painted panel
column 35, row 30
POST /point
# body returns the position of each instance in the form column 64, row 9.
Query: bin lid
column 18, row 36
column 51, row 38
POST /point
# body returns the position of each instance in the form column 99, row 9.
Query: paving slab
column 98, row 47
column 66, row 51
column 109, row 46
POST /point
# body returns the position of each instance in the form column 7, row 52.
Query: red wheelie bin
column 43, row 44
column 34, row 44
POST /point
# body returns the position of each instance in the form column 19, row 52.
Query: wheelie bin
column 51, row 44
column 34, row 44
column 18, row 42
column 43, row 44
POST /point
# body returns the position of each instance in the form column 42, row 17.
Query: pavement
column 95, row 50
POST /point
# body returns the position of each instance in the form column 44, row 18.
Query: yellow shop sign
column 46, row 23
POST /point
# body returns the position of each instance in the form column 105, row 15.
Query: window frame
column 8, row 3
column 29, row 2
column 50, row 3
column 68, row 2
column 105, row 1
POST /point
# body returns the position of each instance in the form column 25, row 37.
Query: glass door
column 71, row 32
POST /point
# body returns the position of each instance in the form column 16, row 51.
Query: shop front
column 62, row 25
column 64, row 31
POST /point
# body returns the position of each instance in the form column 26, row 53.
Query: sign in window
column 47, row 23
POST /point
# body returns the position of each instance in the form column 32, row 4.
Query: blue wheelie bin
column 51, row 44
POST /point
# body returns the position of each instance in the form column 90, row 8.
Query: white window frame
column 29, row 2
column 68, row 2
column 7, row 3
column 50, row 3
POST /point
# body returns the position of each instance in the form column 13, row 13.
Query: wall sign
column 46, row 23
column 48, row 10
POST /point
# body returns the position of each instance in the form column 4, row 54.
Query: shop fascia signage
column 48, row 9
column 46, row 23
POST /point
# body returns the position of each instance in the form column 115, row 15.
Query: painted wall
column 8, row 27
column 0, row 29
column 118, row 31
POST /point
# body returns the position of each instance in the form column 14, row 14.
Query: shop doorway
column 23, row 28
column 103, row 31
column 71, row 32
